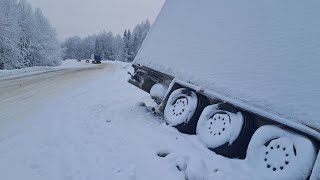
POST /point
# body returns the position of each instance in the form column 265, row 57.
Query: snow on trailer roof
column 264, row 53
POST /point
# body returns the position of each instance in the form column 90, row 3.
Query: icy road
column 86, row 123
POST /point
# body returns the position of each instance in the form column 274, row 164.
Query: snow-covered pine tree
column 107, row 42
column 117, row 47
column 98, row 48
column 126, row 45
column 87, row 46
column 139, row 34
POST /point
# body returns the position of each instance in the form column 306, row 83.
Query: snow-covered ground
column 39, row 69
column 90, row 125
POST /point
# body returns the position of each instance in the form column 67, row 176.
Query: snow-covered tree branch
column 26, row 37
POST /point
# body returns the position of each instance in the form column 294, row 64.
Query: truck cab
column 97, row 59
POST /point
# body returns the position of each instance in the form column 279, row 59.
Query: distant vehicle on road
column 1, row 66
column 97, row 59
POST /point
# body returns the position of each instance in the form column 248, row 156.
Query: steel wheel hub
column 218, row 124
column 179, row 106
column 278, row 154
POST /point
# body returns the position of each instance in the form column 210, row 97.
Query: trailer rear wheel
column 183, row 110
column 225, row 130
column 275, row 153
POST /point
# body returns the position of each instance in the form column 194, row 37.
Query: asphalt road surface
column 21, row 96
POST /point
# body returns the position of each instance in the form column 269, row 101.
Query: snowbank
column 70, row 63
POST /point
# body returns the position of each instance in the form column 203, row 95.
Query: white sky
column 85, row 17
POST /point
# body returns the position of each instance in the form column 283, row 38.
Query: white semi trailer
column 244, row 76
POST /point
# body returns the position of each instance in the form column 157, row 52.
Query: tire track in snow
column 23, row 96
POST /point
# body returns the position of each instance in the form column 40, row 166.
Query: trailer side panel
column 263, row 53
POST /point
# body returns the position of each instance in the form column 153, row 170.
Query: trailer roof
column 263, row 53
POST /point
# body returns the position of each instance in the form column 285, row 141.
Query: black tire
column 189, row 125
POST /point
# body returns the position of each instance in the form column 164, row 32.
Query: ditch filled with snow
column 97, row 129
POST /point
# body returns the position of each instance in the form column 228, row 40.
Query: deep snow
column 98, row 130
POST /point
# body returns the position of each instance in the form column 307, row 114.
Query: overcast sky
column 85, row 17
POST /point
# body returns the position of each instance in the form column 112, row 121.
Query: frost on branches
column 26, row 37
column 107, row 45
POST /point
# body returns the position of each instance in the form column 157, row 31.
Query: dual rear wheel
column 277, row 153
column 274, row 152
column 183, row 110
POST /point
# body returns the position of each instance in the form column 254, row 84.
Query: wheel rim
column 219, row 124
column 276, row 153
column 217, row 127
column 179, row 106
column 216, row 130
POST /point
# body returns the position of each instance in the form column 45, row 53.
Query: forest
column 26, row 37
column 107, row 45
